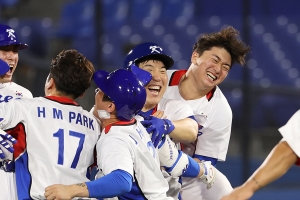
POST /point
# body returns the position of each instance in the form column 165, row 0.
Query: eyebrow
column 219, row 59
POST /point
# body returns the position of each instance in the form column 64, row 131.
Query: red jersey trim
column 297, row 162
column 177, row 75
column 18, row 132
column 64, row 100
column 119, row 123
column 154, row 110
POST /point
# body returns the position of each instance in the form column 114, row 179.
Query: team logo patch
column 19, row 94
column 11, row 34
column 156, row 49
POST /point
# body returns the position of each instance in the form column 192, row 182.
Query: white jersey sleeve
column 291, row 132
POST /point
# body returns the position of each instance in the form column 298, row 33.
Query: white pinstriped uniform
column 56, row 141
column 127, row 146
column 8, row 92
column 173, row 110
column 214, row 114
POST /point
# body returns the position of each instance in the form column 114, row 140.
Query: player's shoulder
column 20, row 90
column 220, row 103
column 174, row 76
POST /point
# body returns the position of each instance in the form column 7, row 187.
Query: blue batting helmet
column 4, row 67
column 9, row 37
column 148, row 51
column 124, row 89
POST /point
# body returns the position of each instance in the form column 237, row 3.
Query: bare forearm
column 278, row 162
column 186, row 130
column 79, row 190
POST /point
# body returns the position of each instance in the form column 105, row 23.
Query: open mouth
column 154, row 89
column 211, row 76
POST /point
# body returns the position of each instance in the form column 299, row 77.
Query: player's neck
column 188, row 89
column 107, row 122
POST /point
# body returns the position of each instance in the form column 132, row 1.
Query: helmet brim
column 99, row 78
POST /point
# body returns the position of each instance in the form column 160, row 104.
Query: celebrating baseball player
column 283, row 156
column 177, row 120
column 9, row 57
column 125, row 153
column 55, row 136
column 212, row 59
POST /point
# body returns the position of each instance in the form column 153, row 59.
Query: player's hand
column 5, row 145
column 58, row 192
column 158, row 128
column 209, row 173
column 239, row 193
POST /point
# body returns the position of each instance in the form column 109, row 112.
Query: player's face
column 158, row 85
column 10, row 55
column 211, row 68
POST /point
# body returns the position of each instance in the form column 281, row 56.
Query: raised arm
column 278, row 162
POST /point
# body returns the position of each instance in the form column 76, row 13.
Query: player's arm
column 113, row 184
column 177, row 163
column 278, row 162
column 184, row 130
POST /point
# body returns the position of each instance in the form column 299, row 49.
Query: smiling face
column 211, row 68
column 158, row 85
column 10, row 55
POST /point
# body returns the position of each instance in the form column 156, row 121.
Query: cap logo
column 11, row 34
column 156, row 49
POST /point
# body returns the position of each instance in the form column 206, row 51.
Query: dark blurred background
column 263, row 95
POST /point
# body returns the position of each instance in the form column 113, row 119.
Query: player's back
column 56, row 140
column 141, row 159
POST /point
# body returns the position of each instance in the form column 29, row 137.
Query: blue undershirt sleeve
column 193, row 168
column 113, row 184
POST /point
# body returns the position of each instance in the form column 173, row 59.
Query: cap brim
column 167, row 60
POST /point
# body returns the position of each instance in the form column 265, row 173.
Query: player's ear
column 49, row 85
column 194, row 57
column 111, row 107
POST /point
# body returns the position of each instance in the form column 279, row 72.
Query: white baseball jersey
column 8, row 92
column 214, row 117
column 56, row 140
column 291, row 134
column 173, row 110
column 127, row 146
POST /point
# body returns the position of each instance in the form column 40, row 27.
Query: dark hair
column 72, row 72
column 106, row 98
column 227, row 38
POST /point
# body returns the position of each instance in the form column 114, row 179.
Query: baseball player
column 213, row 56
column 180, row 124
column 9, row 57
column 55, row 136
column 125, row 153
column 283, row 156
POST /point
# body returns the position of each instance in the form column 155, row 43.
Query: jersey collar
column 119, row 123
column 64, row 100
